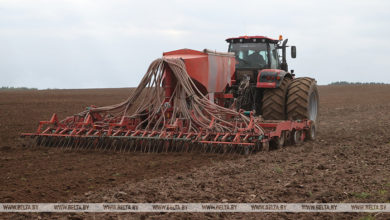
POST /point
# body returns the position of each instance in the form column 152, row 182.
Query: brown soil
column 349, row 161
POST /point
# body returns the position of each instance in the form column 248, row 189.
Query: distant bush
column 16, row 88
column 356, row 83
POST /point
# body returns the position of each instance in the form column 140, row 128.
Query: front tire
column 303, row 100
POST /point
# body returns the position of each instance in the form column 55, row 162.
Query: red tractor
column 264, row 84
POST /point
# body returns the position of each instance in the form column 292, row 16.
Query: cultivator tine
column 112, row 145
column 204, row 148
column 53, row 142
column 155, row 146
column 117, row 145
column 103, row 144
column 148, row 146
column 145, row 146
column 151, row 147
column 88, row 143
column 78, row 144
column 68, row 144
column 142, row 144
column 120, row 145
column 127, row 146
column 132, row 145
column 91, row 144
column 108, row 144
column 47, row 141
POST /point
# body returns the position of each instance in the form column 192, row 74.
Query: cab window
column 274, row 57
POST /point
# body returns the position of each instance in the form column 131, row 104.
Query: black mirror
column 293, row 51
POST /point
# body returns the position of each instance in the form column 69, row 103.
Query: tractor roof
column 247, row 39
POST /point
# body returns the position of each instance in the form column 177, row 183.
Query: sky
column 101, row 44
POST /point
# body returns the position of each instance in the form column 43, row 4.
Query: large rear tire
column 303, row 100
column 274, row 101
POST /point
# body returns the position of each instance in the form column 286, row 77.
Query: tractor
column 264, row 84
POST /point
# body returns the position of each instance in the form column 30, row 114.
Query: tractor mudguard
column 271, row 78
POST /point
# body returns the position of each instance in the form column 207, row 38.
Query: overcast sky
column 96, row 43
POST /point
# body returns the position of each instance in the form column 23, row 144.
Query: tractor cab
column 255, row 53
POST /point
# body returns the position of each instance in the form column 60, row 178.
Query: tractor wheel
column 303, row 100
column 274, row 101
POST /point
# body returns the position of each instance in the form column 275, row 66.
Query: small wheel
column 287, row 138
column 297, row 137
column 311, row 134
column 281, row 140
column 277, row 142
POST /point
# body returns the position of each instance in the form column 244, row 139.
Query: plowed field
column 349, row 161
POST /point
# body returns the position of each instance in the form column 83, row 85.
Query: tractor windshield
column 250, row 55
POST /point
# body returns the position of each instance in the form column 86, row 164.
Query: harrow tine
column 108, row 144
column 128, row 145
column 38, row 141
column 166, row 145
column 48, row 141
column 104, row 144
column 172, row 145
column 117, row 145
column 43, row 141
column 157, row 146
column 232, row 149
column 145, row 146
column 53, row 142
column 177, row 146
column 160, row 146
column 154, row 146
column 92, row 144
column 185, row 147
column 137, row 145
column 83, row 143
column 98, row 144
column 142, row 143
column 56, row 140
column 70, row 143
column 214, row 148
column 121, row 144
column 79, row 143
column 66, row 143
column 150, row 145
column 196, row 146
column 112, row 145
column 204, row 148
column 219, row 149
column 132, row 143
